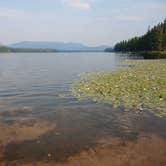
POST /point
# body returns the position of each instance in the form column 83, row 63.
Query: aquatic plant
column 138, row 85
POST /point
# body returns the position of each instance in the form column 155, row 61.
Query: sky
column 92, row 22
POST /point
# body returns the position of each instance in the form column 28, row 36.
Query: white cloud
column 79, row 4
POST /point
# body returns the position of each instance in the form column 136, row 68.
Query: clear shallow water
column 35, row 88
column 40, row 80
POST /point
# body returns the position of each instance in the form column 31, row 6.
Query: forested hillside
column 4, row 49
column 153, row 40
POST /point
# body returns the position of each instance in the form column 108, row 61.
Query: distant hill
column 8, row 49
column 4, row 48
column 59, row 46
column 110, row 49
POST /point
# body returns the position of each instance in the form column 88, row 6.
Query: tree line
column 153, row 40
column 8, row 49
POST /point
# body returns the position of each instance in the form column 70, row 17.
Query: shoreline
column 148, row 54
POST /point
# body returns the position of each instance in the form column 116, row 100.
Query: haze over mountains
column 59, row 46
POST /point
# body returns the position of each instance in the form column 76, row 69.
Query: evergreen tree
column 153, row 40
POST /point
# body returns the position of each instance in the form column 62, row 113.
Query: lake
column 41, row 121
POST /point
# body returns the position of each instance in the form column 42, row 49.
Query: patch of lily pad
column 136, row 85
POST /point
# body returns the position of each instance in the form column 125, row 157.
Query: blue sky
column 92, row 22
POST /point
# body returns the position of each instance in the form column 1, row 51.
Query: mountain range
column 59, row 46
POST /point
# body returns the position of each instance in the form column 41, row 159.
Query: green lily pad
column 141, row 85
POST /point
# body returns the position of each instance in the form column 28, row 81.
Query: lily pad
column 140, row 85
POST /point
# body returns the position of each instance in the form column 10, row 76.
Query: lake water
column 39, row 116
column 41, row 80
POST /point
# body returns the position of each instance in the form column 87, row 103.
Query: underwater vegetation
column 137, row 85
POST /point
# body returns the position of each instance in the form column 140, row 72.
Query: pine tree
column 153, row 40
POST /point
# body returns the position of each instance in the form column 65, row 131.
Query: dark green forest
column 153, row 40
column 4, row 49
